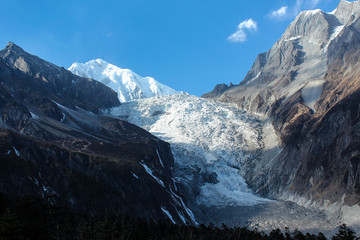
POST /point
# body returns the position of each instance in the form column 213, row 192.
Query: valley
column 214, row 144
column 278, row 150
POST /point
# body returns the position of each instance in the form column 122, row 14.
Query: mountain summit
column 308, row 85
column 297, row 61
column 125, row 82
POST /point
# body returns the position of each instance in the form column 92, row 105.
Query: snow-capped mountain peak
column 125, row 82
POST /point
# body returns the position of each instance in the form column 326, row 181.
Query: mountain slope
column 127, row 84
column 308, row 85
column 53, row 145
column 58, row 84
column 214, row 146
column 297, row 61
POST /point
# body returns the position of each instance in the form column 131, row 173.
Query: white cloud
column 240, row 34
column 280, row 13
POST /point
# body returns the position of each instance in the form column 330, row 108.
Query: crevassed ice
column 210, row 142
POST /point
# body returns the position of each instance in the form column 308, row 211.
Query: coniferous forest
column 34, row 218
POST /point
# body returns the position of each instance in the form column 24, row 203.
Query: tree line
column 33, row 218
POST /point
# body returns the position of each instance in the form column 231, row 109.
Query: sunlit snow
column 127, row 84
column 334, row 34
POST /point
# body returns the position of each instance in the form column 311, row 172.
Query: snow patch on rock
column 17, row 152
column 149, row 171
column 187, row 210
column 134, row 175
column 161, row 162
column 167, row 213
column 292, row 38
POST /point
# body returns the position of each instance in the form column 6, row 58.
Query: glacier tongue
column 127, row 84
column 210, row 142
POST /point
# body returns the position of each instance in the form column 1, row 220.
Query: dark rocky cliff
column 54, row 145
column 24, row 74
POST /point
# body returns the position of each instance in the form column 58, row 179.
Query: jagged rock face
column 308, row 84
column 53, row 145
column 331, row 137
column 298, row 60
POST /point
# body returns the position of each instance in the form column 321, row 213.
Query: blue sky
column 189, row 45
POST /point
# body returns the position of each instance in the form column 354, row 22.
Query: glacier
column 209, row 140
column 212, row 144
column 127, row 84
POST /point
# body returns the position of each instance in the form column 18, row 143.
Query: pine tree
column 345, row 233
column 276, row 234
column 287, row 234
column 297, row 235
column 321, row 236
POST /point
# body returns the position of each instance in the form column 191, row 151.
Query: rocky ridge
column 54, row 145
column 307, row 84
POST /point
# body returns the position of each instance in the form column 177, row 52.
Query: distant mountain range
column 127, row 84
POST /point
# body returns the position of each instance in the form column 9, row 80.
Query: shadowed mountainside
column 54, row 145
